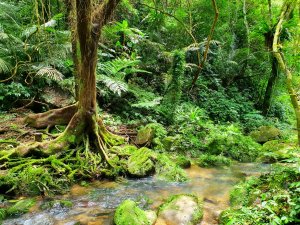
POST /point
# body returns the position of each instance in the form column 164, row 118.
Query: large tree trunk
column 84, row 123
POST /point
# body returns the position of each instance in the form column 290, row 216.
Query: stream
column 95, row 204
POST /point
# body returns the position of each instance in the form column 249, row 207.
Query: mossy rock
column 265, row 133
column 54, row 203
column 166, row 169
column 147, row 133
column 235, row 146
column 168, row 142
column 182, row 161
column 140, row 163
column 124, row 150
column 144, row 136
column 276, row 151
column 181, row 209
column 213, row 161
column 128, row 213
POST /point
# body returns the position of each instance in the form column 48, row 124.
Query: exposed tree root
column 81, row 129
column 51, row 118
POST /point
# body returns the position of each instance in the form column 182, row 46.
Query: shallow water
column 95, row 205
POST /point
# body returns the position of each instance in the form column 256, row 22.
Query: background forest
column 192, row 80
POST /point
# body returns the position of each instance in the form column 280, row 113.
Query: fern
column 148, row 104
column 51, row 73
column 113, row 73
column 5, row 67
column 115, row 86
column 120, row 68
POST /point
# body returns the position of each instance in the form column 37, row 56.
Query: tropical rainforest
column 134, row 112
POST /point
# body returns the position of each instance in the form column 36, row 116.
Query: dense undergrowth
column 147, row 60
column 272, row 198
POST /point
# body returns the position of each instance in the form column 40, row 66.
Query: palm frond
column 116, row 86
column 5, row 67
column 51, row 73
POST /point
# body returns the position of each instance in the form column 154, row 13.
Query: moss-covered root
column 50, row 118
column 181, row 209
column 59, row 144
column 128, row 213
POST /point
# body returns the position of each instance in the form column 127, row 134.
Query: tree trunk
column 270, row 87
column 287, row 8
column 85, row 123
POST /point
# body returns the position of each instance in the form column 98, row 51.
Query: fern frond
column 4, row 66
column 116, row 86
column 51, row 73
column 120, row 68
column 148, row 104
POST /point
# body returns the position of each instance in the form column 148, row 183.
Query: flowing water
column 95, row 205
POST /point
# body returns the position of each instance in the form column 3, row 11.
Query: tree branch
column 209, row 38
column 102, row 15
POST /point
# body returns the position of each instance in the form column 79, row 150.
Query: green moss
column 230, row 142
column 20, row 207
column 128, row 213
column 181, row 161
column 166, row 169
column 265, row 133
column 212, row 161
column 62, row 203
column 151, row 134
column 140, row 163
column 125, row 150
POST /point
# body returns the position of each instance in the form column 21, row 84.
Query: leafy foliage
column 253, row 203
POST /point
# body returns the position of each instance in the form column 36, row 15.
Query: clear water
column 95, row 205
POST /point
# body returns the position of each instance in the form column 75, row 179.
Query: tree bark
column 288, row 7
column 84, row 122
column 270, row 87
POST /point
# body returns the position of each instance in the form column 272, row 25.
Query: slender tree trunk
column 270, row 86
column 287, row 8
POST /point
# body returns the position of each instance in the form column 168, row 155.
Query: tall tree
column 287, row 8
column 82, row 118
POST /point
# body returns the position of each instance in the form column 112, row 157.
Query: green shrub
column 212, row 161
column 173, row 93
column 191, row 128
column 230, row 142
column 166, row 169
column 270, row 199
column 10, row 93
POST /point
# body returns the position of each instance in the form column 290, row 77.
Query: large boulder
column 265, row 133
column 128, row 213
column 180, row 209
column 140, row 163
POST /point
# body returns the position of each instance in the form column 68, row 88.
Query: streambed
column 95, row 205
